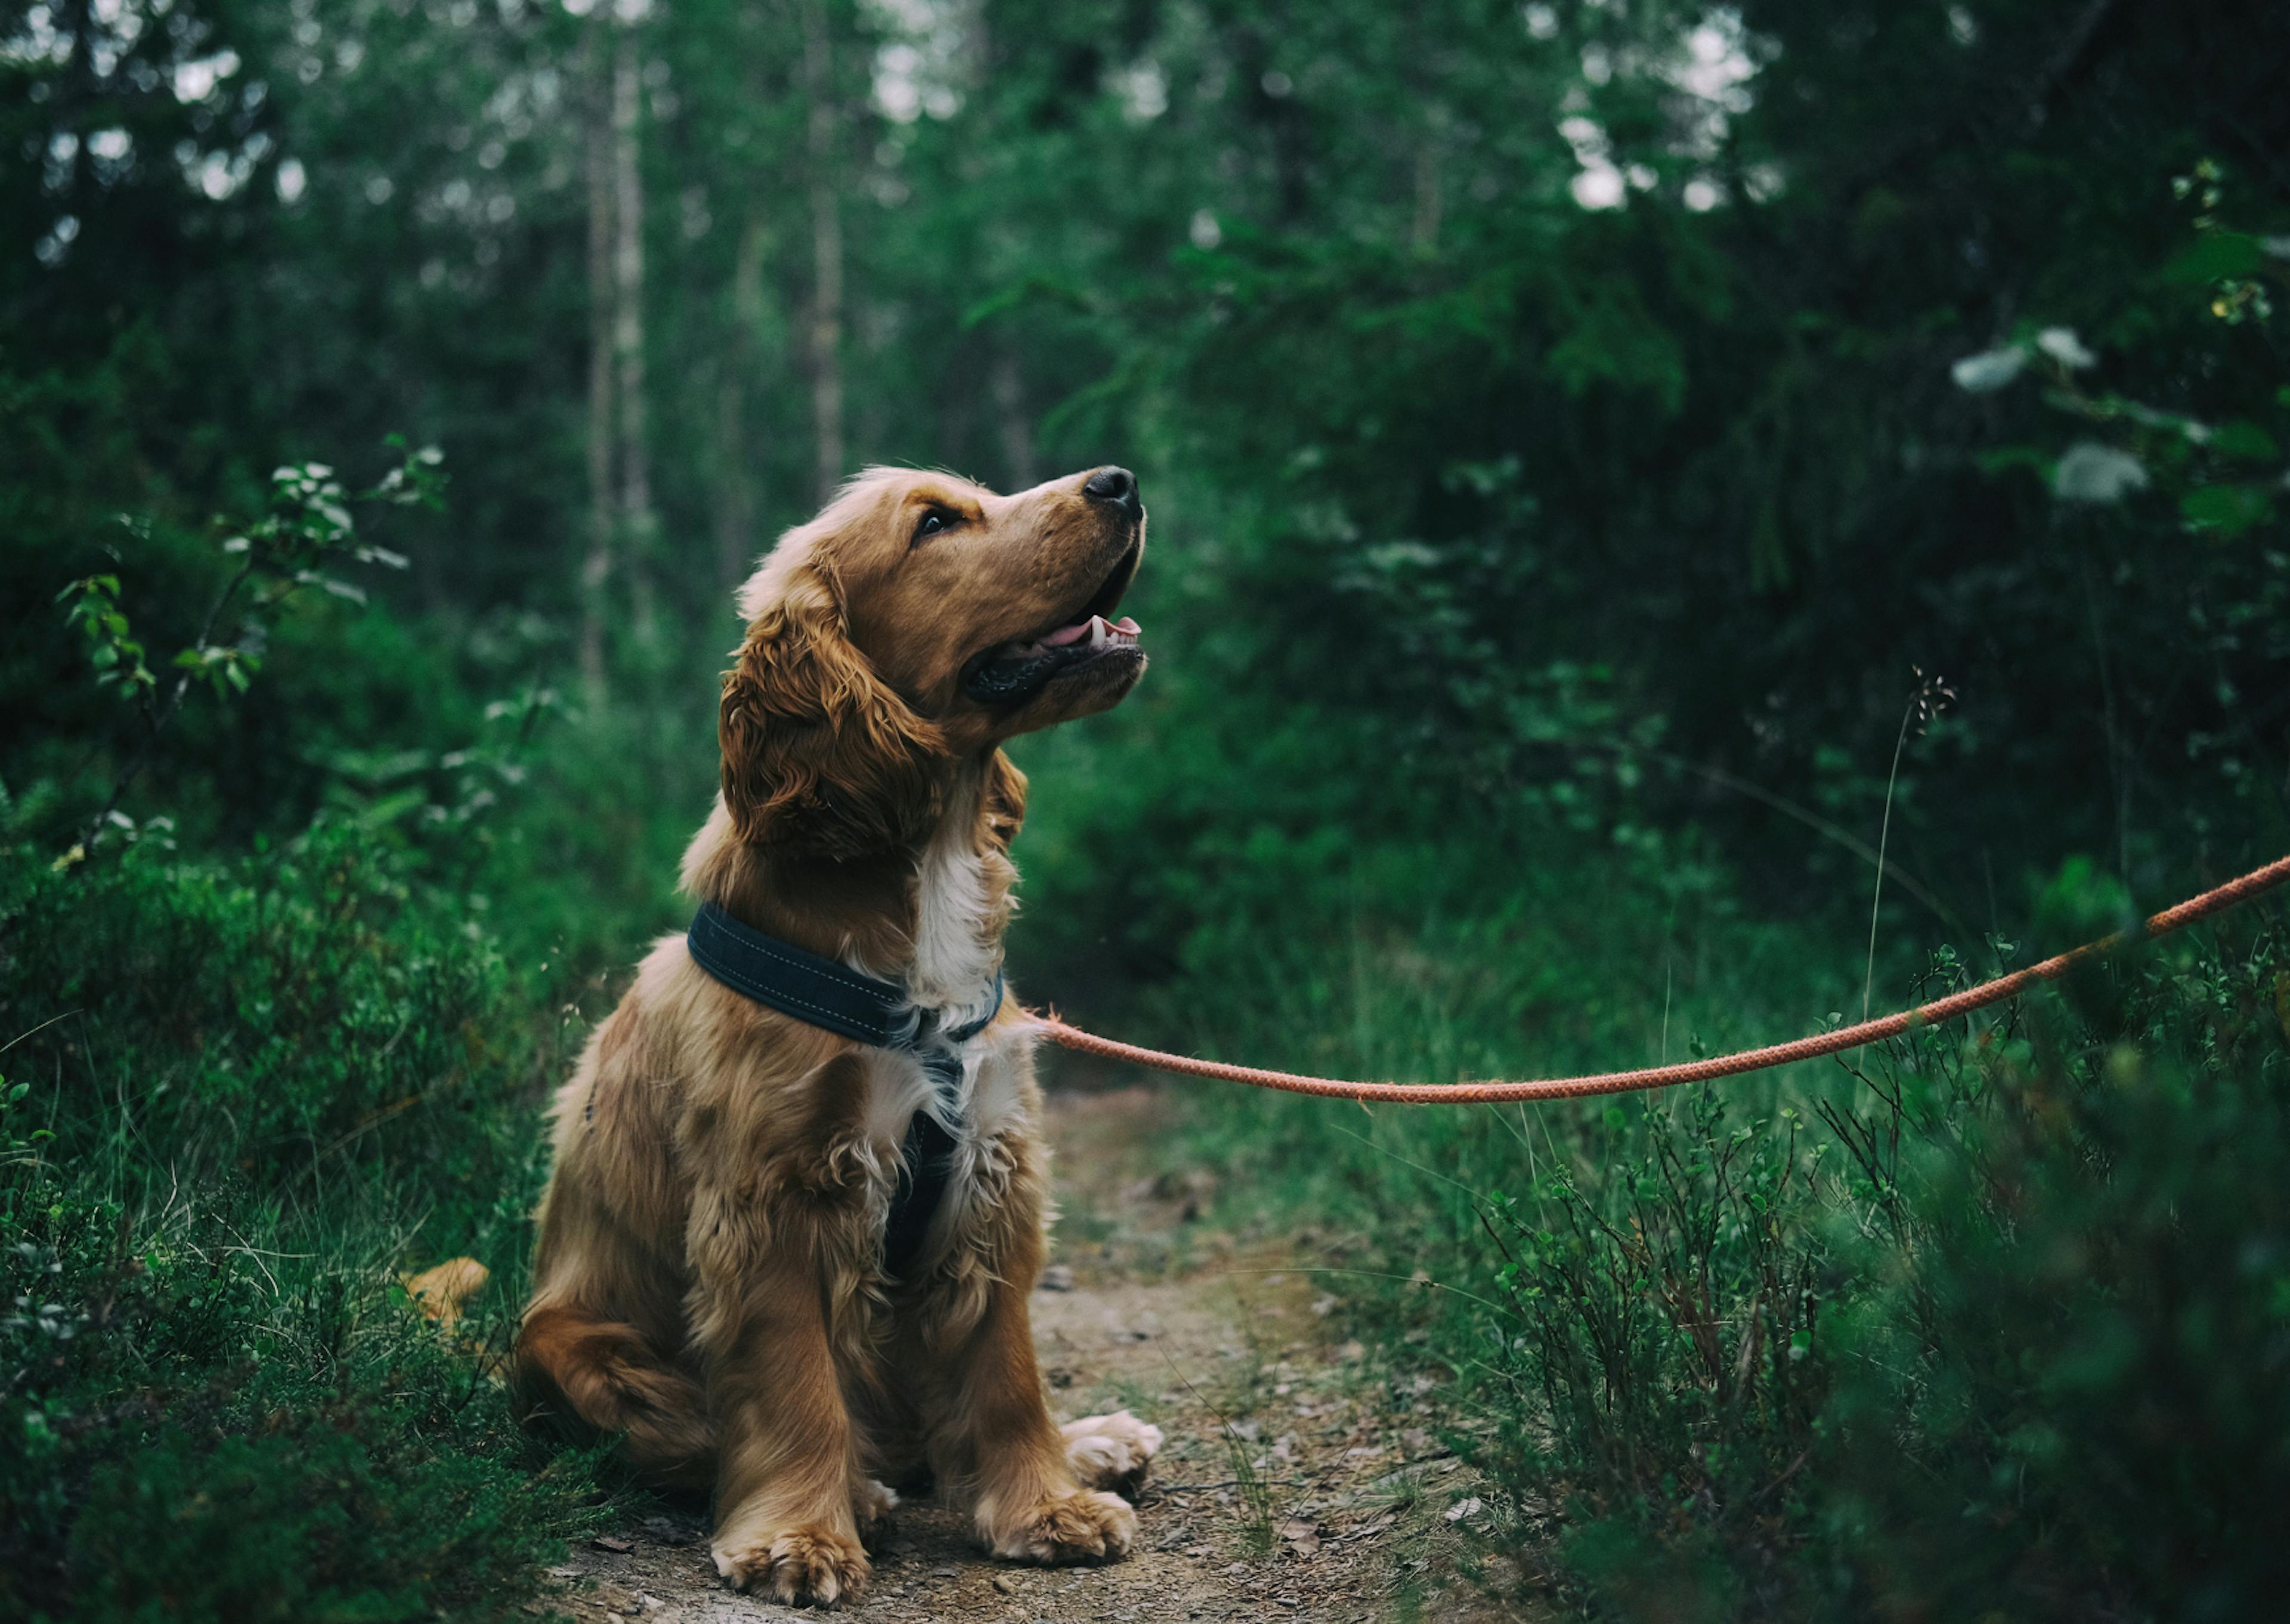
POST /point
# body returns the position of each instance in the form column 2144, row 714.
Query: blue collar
column 817, row 991
column 821, row 993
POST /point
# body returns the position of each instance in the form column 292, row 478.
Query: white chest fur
column 991, row 1107
column 989, row 1101
column 957, row 951
column 954, row 977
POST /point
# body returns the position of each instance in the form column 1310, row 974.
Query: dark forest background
column 1623, row 476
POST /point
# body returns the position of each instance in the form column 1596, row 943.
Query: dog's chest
column 979, row 1109
column 972, row 1092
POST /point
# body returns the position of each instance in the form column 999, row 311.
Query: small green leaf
column 2228, row 509
column 2245, row 440
column 2213, row 256
column 2004, row 458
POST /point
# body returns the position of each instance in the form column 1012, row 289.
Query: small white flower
column 2062, row 345
column 1989, row 369
column 2091, row 472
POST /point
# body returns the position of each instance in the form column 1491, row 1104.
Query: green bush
column 347, row 1513
column 1991, row 1321
column 205, row 1423
column 2066, row 1392
column 263, row 1017
column 246, row 1094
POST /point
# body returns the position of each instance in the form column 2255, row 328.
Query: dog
column 787, row 1264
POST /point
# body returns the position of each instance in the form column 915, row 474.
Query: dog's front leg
column 784, row 1518
column 1030, row 1507
column 991, row 1436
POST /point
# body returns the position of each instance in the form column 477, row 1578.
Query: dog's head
column 919, row 620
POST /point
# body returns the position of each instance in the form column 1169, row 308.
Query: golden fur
column 708, row 1282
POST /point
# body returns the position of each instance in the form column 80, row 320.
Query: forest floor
column 1292, row 1483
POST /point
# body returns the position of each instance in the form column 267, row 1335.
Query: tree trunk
column 1423, row 237
column 735, row 482
column 637, row 525
column 597, row 562
column 826, row 254
column 1017, row 428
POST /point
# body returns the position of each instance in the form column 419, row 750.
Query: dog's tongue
column 1066, row 635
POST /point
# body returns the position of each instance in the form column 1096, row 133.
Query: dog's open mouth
column 1013, row 672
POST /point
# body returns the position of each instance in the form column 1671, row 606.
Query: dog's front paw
column 1079, row 1525
column 796, row 1565
column 1111, row 1452
column 872, row 1504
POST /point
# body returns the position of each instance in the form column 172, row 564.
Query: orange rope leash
column 2251, row 884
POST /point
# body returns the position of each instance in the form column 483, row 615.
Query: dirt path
column 1291, row 1484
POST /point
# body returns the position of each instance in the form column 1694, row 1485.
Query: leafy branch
column 2220, row 472
column 308, row 531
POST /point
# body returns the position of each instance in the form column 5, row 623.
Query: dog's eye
column 937, row 521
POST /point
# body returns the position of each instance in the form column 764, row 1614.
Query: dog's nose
column 1117, row 486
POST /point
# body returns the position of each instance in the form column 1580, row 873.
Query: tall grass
column 1989, row 1322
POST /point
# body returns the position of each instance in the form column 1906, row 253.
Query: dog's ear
column 1002, row 801
column 819, row 752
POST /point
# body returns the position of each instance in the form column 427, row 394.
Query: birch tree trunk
column 597, row 562
column 637, row 525
column 1423, row 235
column 826, row 252
column 735, row 482
column 1016, row 425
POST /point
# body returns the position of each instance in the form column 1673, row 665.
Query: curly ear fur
column 817, row 752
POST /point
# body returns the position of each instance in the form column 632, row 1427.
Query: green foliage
column 259, row 1086
column 2203, row 469
column 205, row 1430
column 118, row 657
column 1987, row 1320
column 1334, row 271
column 1667, row 1317
column 305, row 530
column 280, row 1008
column 325, row 1524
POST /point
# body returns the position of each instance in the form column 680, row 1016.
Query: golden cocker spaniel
column 799, row 1199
